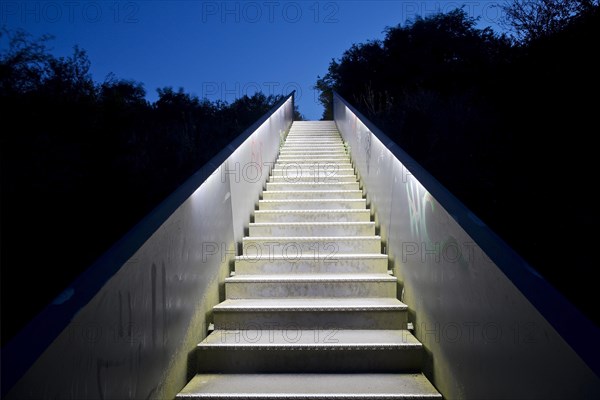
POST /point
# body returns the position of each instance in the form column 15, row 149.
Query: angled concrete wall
column 126, row 329
column 492, row 327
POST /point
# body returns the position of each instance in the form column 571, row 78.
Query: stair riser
column 312, row 195
column 223, row 360
column 312, row 138
column 325, row 216
column 306, row 164
column 311, row 149
column 313, row 167
column 359, row 204
column 264, row 320
column 313, row 156
column 247, row 266
column 300, row 153
column 295, row 396
column 262, row 290
column 322, row 178
column 319, row 144
column 319, row 160
column 296, row 171
column 313, row 186
column 312, row 230
column 314, row 135
column 314, row 146
column 312, row 132
column 316, row 158
column 315, row 143
column 330, row 247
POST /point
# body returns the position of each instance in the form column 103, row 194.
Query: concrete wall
column 134, row 336
column 481, row 312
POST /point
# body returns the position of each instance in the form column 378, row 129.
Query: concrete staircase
column 311, row 311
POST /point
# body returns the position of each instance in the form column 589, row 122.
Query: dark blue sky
column 220, row 50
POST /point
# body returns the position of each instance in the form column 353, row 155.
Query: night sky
column 220, row 50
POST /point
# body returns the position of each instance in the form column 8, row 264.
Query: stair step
column 312, row 194
column 312, row 186
column 313, row 204
column 313, row 286
column 302, row 351
column 317, row 133
column 293, row 153
column 312, row 215
column 294, row 229
column 318, row 167
column 314, row 149
column 310, row 245
column 309, row 386
column 339, row 263
column 338, row 150
column 305, row 163
column 314, row 141
column 317, row 157
column 318, row 152
column 311, row 149
column 315, row 128
column 309, row 139
column 313, row 134
column 304, row 126
column 321, row 178
column 295, row 170
column 327, row 133
column 320, row 159
column 342, row 313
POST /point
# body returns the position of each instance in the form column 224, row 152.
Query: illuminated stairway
column 311, row 311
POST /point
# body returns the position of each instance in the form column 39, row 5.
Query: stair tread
column 290, row 170
column 310, row 338
column 303, row 183
column 314, row 191
column 313, row 201
column 311, row 238
column 351, row 223
column 312, row 278
column 282, row 164
column 318, row 257
column 311, row 304
column 310, row 149
column 310, row 386
column 341, row 210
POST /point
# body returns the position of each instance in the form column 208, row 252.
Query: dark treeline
column 82, row 162
column 504, row 122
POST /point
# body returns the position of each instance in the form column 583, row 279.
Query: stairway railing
column 493, row 328
column 127, row 326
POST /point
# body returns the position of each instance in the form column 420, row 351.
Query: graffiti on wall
column 417, row 206
column 256, row 155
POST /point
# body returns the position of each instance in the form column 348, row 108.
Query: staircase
column 311, row 311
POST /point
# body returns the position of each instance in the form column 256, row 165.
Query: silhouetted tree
column 492, row 118
column 535, row 19
column 82, row 162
